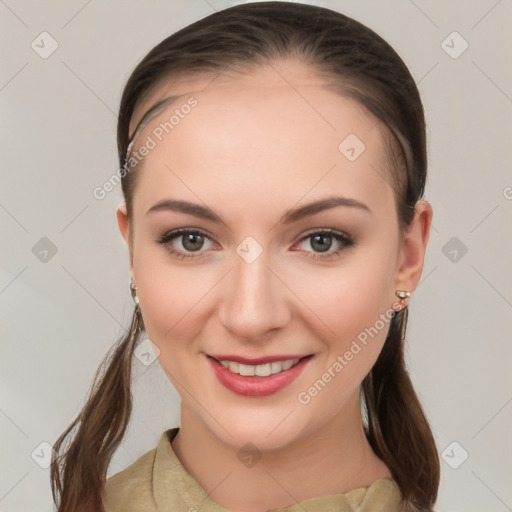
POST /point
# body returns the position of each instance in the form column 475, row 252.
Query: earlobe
column 414, row 247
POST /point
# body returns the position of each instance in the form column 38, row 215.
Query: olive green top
column 158, row 482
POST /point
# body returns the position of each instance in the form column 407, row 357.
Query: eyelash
column 340, row 237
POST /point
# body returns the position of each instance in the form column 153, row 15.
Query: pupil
column 193, row 242
column 321, row 243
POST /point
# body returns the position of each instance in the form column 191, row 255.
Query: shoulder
column 132, row 489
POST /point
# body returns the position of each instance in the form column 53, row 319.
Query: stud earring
column 402, row 295
column 133, row 291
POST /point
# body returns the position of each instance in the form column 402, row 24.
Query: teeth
column 247, row 370
column 287, row 365
column 276, row 367
column 263, row 370
column 234, row 367
column 260, row 370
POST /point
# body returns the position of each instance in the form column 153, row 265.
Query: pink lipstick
column 257, row 377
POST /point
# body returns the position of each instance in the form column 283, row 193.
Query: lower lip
column 257, row 386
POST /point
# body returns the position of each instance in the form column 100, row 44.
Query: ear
column 124, row 227
column 413, row 249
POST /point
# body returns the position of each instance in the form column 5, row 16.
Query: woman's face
column 261, row 274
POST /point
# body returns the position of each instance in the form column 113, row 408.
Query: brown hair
column 359, row 64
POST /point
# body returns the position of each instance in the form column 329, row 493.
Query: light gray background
column 61, row 315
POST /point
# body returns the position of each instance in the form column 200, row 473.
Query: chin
column 265, row 432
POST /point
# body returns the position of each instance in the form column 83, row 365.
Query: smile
column 265, row 376
column 259, row 370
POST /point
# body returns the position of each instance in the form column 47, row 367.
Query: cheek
column 348, row 299
column 172, row 297
column 351, row 307
column 354, row 306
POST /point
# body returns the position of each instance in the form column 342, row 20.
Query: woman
column 273, row 161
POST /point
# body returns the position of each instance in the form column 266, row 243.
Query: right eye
column 184, row 242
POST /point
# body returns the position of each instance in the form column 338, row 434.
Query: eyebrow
column 292, row 215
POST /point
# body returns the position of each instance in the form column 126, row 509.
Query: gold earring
column 402, row 295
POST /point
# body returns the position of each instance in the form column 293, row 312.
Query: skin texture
column 255, row 146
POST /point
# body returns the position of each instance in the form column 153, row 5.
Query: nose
column 254, row 300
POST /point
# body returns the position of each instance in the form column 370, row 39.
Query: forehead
column 289, row 75
column 277, row 123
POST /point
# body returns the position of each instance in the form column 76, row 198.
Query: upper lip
column 258, row 360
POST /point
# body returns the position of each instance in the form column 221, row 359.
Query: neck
column 331, row 460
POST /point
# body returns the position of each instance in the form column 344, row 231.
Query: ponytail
column 78, row 474
column 397, row 428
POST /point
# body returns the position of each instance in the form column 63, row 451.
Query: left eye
column 322, row 242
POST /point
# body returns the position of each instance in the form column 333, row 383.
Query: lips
column 257, row 377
